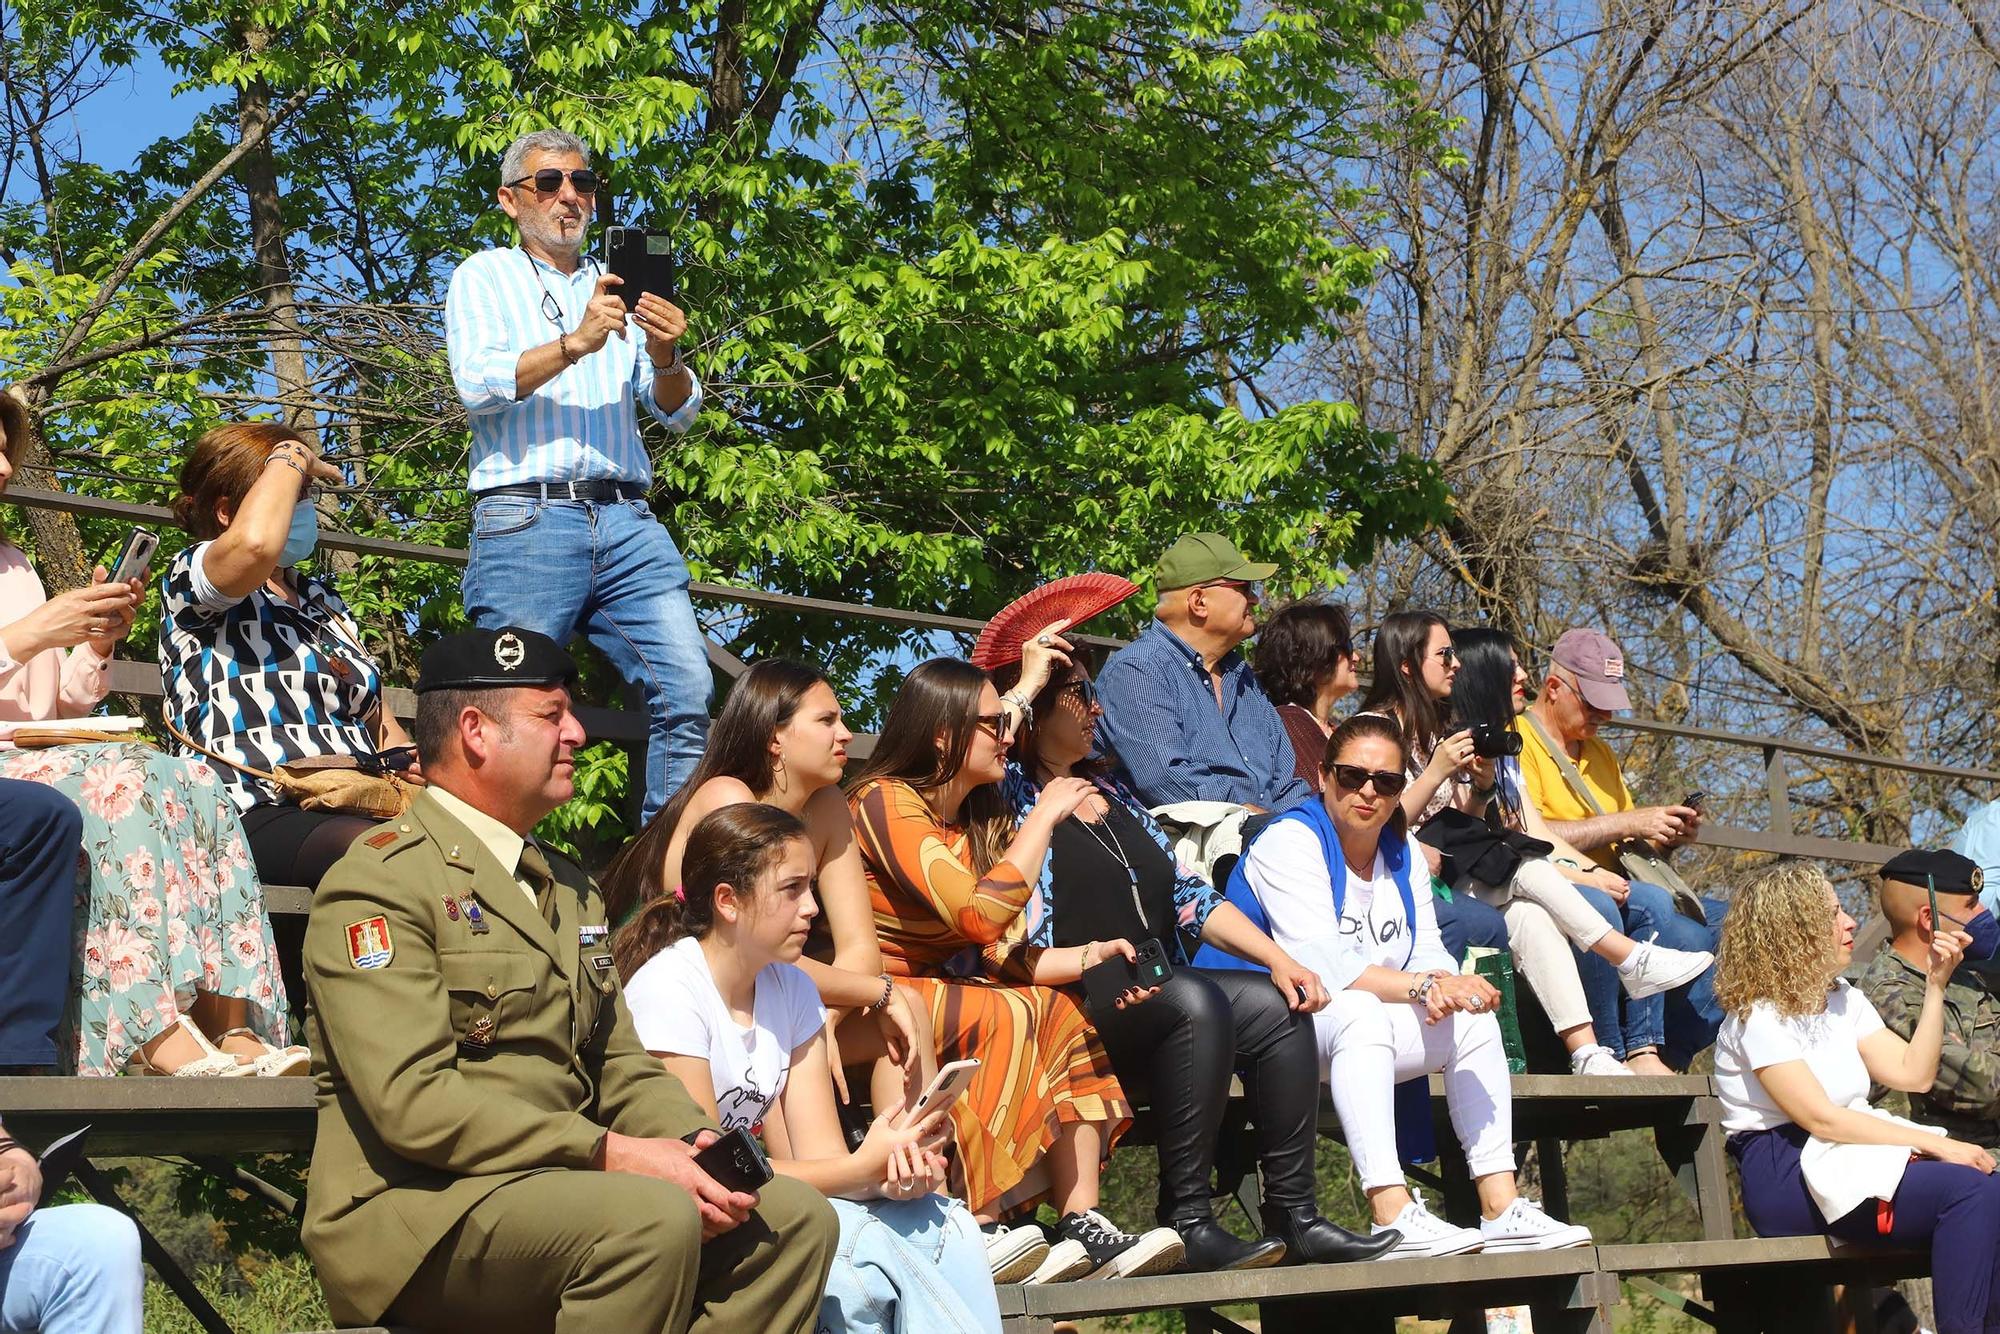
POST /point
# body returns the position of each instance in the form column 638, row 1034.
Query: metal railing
column 1774, row 755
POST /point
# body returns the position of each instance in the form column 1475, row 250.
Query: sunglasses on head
column 550, row 179
column 1352, row 778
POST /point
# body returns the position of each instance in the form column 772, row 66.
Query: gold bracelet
column 1083, row 955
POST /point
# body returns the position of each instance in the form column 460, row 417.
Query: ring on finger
column 1045, row 640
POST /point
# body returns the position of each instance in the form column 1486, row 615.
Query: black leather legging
column 1175, row 1052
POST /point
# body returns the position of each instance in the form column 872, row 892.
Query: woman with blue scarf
column 1331, row 880
column 1110, row 875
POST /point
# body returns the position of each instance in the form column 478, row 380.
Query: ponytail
column 732, row 845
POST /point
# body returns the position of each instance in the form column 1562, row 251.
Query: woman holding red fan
column 1110, row 873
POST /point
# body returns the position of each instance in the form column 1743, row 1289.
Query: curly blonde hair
column 1778, row 943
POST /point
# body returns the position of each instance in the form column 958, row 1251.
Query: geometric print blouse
column 261, row 681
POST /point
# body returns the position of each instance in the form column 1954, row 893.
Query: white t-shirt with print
column 1828, row 1042
column 678, row 1012
column 1288, row 872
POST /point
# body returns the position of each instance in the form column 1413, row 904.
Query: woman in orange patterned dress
column 948, row 875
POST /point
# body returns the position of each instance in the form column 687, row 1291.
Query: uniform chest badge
column 368, row 943
column 587, row 936
column 451, row 907
column 475, row 917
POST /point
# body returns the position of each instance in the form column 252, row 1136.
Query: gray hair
column 539, row 141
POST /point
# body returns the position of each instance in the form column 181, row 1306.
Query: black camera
column 1494, row 740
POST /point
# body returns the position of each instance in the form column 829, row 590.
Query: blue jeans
column 1680, row 1022
column 908, row 1267
column 73, row 1269
column 1464, row 921
column 41, row 840
column 612, row 573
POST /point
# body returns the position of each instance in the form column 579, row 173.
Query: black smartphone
column 58, row 1160
column 1694, row 798
column 644, row 258
column 1104, row 983
column 736, row 1161
column 396, row 758
column 136, row 556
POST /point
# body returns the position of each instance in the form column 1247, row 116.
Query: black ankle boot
column 1212, row 1248
column 1311, row 1238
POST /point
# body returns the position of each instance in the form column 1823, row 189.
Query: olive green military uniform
column 1965, row 1099
column 471, row 1048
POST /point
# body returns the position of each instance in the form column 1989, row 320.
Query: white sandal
column 276, row 1061
column 211, row 1064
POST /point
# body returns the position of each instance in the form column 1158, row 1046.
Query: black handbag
column 1475, row 850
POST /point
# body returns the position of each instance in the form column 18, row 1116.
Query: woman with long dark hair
column 1339, row 884
column 1415, row 665
column 1110, row 872
column 1517, row 876
column 1491, row 688
column 949, row 873
column 779, row 740
column 714, row 988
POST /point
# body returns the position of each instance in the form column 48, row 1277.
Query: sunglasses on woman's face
column 1083, row 692
column 1352, row 778
column 999, row 725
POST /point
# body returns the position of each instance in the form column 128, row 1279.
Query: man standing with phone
column 551, row 369
column 495, row 1150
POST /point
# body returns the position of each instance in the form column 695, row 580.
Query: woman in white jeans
column 1342, row 887
column 1417, row 670
column 1491, row 688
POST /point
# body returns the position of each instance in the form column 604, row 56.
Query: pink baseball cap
column 1598, row 665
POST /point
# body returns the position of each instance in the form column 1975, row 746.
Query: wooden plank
column 1692, row 1257
column 1372, row 1276
column 135, row 1115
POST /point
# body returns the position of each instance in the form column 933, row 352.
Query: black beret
column 483, row 659
column 1947, row 872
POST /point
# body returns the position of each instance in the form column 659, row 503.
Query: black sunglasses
column 1352, row 777
column 1085, row 692
column 1000, row 725
column 549, row 180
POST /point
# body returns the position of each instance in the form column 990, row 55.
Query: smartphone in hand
column 1104, row 983
column 136, row 556
column 736, row 1161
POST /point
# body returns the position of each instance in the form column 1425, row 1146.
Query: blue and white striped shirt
column 581, row 425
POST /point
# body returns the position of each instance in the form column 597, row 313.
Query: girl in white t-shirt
column 718, row 996
column 1400, row 1007
column 1793, row 1064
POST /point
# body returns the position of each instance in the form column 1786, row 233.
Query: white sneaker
column 1013, row 1253
column 1596, row 1060
column 1651, row 969
column 1524, row 1227
column 1107, row 1252
column 1428, row 1236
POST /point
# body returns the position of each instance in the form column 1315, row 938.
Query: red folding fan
column 1075, row 599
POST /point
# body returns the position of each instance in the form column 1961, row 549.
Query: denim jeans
column 1464, row 921
column 73, row 1269
column 612, row 573
column 1680, row 1022
column 908, row 1267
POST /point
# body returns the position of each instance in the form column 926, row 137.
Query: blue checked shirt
column 579, row 426
column 1161, row 721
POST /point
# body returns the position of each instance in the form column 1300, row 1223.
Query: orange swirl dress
column 1041, row 1063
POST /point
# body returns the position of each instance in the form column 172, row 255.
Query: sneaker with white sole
column 1596, row 1060
column 1651, row 969
column 1427, row 1236
column 1013, row 1253
column 1088, row 1245
column 1522, row 1226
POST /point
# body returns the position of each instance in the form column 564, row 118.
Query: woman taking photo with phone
column 1489, row 691
column 172, row 968
column 1794, row 1062
column 712, row 982
column 1110, row 873
column 950, row 872
column 262, row 664
column 1340, row 885
column 779, row 740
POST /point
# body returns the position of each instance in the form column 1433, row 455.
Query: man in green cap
column 496, row 1151
column 1182, row 710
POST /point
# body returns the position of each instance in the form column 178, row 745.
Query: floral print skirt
column 169, row 905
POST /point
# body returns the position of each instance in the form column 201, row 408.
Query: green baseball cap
column 1200, row 558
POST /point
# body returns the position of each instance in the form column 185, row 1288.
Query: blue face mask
column 1985, row 932
column 304, row 534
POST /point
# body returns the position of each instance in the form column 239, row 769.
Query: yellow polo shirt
column 1553, row 795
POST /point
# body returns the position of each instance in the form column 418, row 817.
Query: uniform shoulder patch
column 381, row 840
column 368, row 944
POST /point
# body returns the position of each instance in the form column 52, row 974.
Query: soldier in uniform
column 495, row 1150
column 1965, row 1099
